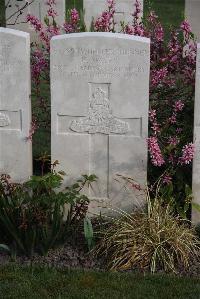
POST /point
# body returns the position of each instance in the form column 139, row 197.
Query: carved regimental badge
column 4, row 120
column 99, row 118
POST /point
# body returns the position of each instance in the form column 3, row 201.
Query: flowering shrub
column 35, row 217
column 172, row 83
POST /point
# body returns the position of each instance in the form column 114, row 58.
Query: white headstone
column 196, row 161
column 124, row 9
column 192, row 13
column 15, row 104
column 100, row 99
column 37, row 8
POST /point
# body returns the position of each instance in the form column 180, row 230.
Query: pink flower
column 158, row 76
column 167, row 179
column 52, row 13
column 173, row 140
column 106, row 22
column 185, row 26
column 155, row 152
column 68, row 28
column 178, row 106
column 33, row 128
column 74, row 16
column 39, row 64
column 51, row 2
column 173, row 119
column 187, row 154
column 159, row 33
column 172, row 160
column 136, row 186
column 152, row 17
column 72, row 25
column 179, row 130
column 35, row 22
column 134, row 29
column 155, row 126
column 129, row 29
column 111, row 3
column 152, row 115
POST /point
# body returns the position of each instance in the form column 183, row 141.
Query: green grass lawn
column 43, row 283
column 170, row 12
column 74, row 3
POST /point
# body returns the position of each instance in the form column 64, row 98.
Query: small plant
column 35, row 216
column 4, row 248
column 152, row 239
column 88, row 232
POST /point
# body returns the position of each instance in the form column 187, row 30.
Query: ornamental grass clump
column 150, row 240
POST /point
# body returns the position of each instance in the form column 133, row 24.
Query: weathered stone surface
column 192, row 13
column 37, row 8
column 4, row 120
column 124, row 9
column 15, row 105
column 196, row 162
column 100, row 98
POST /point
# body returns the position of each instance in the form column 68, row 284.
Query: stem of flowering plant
column 18, row 12
column 42, row 168
column 2, row 14
column 113, row 21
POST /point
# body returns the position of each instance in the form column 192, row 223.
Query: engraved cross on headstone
column 100, row 125
column 9, row 120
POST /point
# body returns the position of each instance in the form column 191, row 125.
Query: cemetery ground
column 36, row 282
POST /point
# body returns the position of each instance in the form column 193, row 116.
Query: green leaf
column 88, row 232
column 61, row 172
column 188, row 191
column 46, row 21
column 196, row 206
column 4, row 247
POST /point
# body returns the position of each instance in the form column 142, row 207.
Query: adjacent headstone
column 15, row 104
column 196, row 161
column 124, row 10
column 192, row 13
column 100, row 99
column 37, row 8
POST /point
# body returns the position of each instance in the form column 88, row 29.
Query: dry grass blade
column 152, row 239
